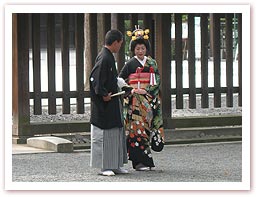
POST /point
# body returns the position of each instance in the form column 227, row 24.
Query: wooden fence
column 68, row 30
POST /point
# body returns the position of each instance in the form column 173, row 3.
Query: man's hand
column 108, row 97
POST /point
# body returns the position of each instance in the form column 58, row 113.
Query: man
column 108, row 148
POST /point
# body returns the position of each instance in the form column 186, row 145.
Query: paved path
column 211, row 162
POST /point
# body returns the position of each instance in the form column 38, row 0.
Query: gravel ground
column 211, row 162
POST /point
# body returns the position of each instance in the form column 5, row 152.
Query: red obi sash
column 141, row 79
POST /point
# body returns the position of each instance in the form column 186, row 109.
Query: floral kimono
column 142, row 113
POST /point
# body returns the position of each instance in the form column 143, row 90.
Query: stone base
column 51, row 143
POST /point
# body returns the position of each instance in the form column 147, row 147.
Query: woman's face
column 140, row 51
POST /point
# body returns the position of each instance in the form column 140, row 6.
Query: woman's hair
column 112, row 36
column 139, row 40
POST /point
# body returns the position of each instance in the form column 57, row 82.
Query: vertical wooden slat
column 90, row 29
column 152, row 38
column 216, row 59
column 36, row 63
column 118, row 23
column 239, row 57
column 103, row 26
column 191, row 61
column 179, row 63
column 79, row 43
column 93, row 38
column 158, row 39
column 229, row 59
column 147, row 24
column 21, row 113
column 107, row 22
column 204, row 61
column 147, row 20
column 15, row 69
column 163, row 25
column 100, row 33
column 65, row 63
column 134, row 21
column 51, row 63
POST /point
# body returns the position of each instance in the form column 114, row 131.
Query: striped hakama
column 108, row 148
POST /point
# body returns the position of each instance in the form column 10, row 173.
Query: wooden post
column 204, row 61
column 216, row 59
column 191, row 61
column 134, row 21
column 91, row 51
column 229, row 59
column 179, row 63
column 20, row 56
column 79, row 45
column 239, row 57
column 148, row 24
column 163, row 58
column 36, row 63
column 51, row 62
column 100, row 33
column 107, row 22
column 103, row 26
column 117, row 22
column 65, row 63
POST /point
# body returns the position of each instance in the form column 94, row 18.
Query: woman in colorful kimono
column 142, row 109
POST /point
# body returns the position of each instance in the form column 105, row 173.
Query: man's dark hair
column 112, row 36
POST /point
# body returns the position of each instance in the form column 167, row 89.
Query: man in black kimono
column 108, row 148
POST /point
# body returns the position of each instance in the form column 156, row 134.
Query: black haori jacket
column 103, row 79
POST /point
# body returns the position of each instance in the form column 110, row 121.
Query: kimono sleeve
column 124, row 73
column 98, row 79
column 154, row 90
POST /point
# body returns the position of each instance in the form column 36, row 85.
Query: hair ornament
column 138, row 33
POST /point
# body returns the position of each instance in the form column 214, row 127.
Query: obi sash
column 141, row 79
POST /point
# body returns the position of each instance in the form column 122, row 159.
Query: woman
column 142, row 112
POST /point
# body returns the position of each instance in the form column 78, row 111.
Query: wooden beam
column 199, row 121
column 180, row 122
column 163, row 58
column 21, row 111
column 60, row 127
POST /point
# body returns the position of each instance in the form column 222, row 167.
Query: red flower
column 132, row 145
column 139, row 139
column 142, row 147
column 131, row 135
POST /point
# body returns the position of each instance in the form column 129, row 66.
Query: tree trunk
column 87, row 52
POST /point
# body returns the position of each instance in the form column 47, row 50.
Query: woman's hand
column 138, row 91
